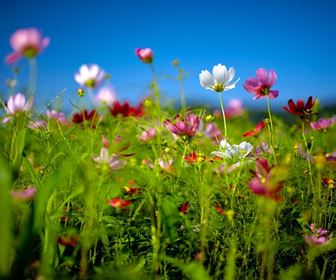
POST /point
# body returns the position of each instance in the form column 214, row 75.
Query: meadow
column 146, row 191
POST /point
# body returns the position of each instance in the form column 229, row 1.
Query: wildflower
column 38, row 124
column 104, row 158
column 131, row 190
column 219, row 209
column 264, row 182
column 322, row 124
column 148, row 135
column 319, row 236
column 300, row 108
column 26, row 42
column 24, row 195
column 166, row 165
column 220, row 80
column 184, row 127
column 260, row 86
column 255, row 131
column 126, row 110
column 263, row 148
column 330, row 183
column 119, row 203
column 184, row 207
column 234, row 109
column 89, row 116
column 105, row 96
column 90, row 75
column 68, row 240
column 57, row 116
column 194, row 158
column 213, row 132
column 144, row 54
column 17, row 104
column 236, row 152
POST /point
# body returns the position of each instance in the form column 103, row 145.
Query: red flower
column 126, row 110
column 117, row 202
column 255, row 131
column 300, row 108
column 194, row 158
column 184, row 207
column 89, row 116
column 219, row 209
column 131, row 190
column 68, row 240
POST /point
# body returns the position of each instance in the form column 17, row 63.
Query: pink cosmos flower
column 263, row 183
column 26, row 42
column 213, row 132
column 319, row 236
column 24, row 195
column 17, row 104
column 105, row 159
column 184, row 127
column 119, row 203
column 260, row 86
column 234, row 109
column 90, row 75
column 56, row 116
column 148, row 135
column 322, row 123
column 166, row 165
column 106, row 96
column 145, row 54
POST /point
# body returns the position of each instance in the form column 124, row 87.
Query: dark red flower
column 219, row 209
column 255, row 131
column 126, row 110
column 184, row 207
column 68, row 240
column 194, row 158
column 300, row 108
column 85, row 116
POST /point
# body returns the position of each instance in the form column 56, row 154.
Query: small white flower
column 90, row 75
column 105, row 159
column 233, row 151
column 105, row 96
column 220, row 80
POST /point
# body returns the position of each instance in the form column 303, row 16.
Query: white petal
column 94, row 71
column 220, row 74
column 84, row 72
column 206, row 79
column 10, row 106
column 218, row 154
column 79, row 79
column 19, row 102
column 231, row 74
column 232, row 85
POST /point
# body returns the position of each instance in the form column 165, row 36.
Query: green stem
column 32, row 77
column 223, row 113
column 156, row 89
column 270, row 128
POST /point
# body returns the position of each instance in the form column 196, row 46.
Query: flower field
column 146, row 191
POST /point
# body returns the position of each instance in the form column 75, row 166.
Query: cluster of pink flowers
column 187, row 126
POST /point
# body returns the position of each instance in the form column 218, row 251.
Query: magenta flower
column 263, row 183
column 319, row 236
column 26, row 42
column 260, row 86
column 145, row 54
column 186, row 127
column 24, row 195
column 148, row 135
column 235, row 109
column 56, row 116
column 90, row 75
column 322, row 124
column 17, row 104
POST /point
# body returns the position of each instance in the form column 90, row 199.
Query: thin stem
column 223, row 113
column 32, row 77
column 270, row 128
column 156, row 88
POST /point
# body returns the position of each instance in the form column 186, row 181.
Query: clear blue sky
column 295, row 38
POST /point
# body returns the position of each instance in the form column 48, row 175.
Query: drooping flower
column 300, row 108
column 148, row 135
column 26, row 42
column 260, row 86
column 90, row 75
column 85, row 116
column 119, row 203
column 184, row 127
column 319, row 236
column 113, row 162
column 17, row 104
column 106, row 96
column 265, row 182
column 322, row 124
column 24, row 195
column 144, row 54
column 235, row 152
column 220, row 80
column 126, row 110
column 235, row 109
column 255, row 131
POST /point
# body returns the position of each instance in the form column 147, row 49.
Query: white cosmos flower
column 233, row 151
column 90, row 75
column 220, row 80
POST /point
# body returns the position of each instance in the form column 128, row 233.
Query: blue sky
column 295, row 38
